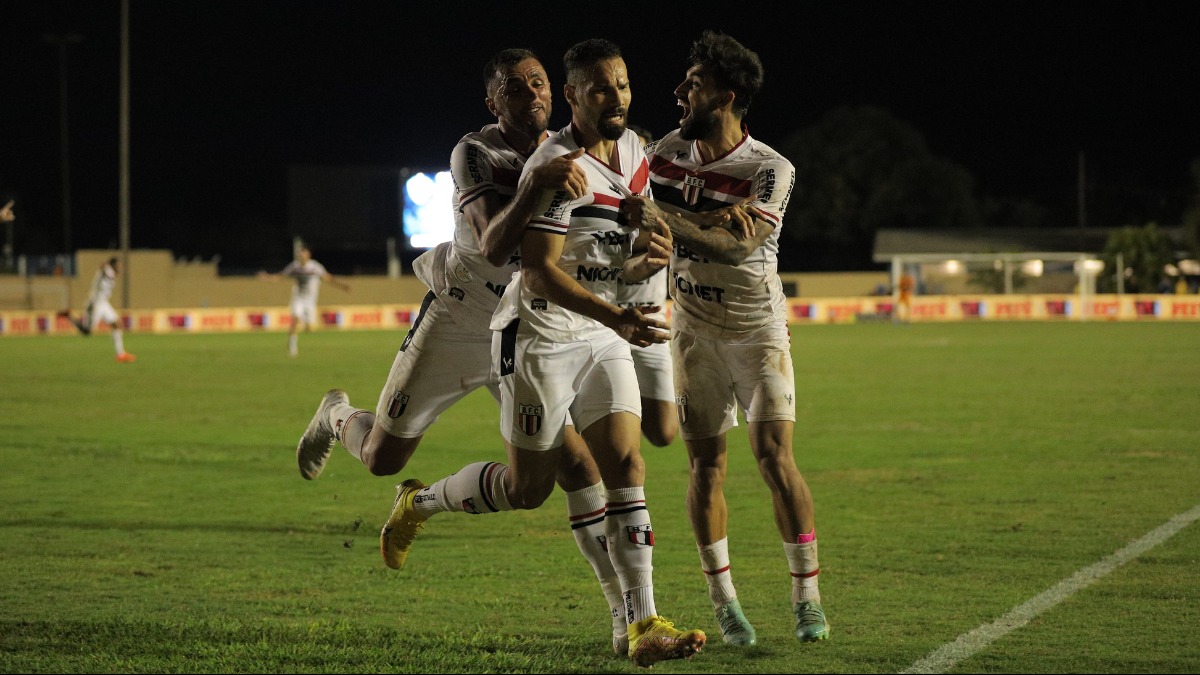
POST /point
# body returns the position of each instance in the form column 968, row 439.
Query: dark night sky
column 226, row 95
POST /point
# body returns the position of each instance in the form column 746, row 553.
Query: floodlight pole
column 124, row 178
column 63, row 42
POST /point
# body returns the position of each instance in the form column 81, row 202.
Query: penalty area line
column 968, row 644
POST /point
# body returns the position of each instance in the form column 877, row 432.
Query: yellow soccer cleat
column 655, row 639
column 403, row 525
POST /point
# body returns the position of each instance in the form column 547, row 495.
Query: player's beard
column 700, row 124
column 611, row 130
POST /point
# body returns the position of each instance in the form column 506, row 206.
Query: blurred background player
column 307, row 275
column 100, row 310
column 660, row 422
column 904, row 290
column 448, row 352
column 729, row 333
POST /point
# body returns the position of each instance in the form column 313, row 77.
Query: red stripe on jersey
column 602, row 199
column 640, row 178
column 717, row 182
column 547, row 226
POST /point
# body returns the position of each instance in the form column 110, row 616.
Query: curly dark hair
column 493, row 72
column 587, row 53
column 733, row 66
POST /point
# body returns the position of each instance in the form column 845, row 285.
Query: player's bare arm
column 499, row 227
column 652, row 252
column 727, row 236
column 540, row 252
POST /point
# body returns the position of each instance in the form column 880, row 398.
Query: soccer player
column 660, row 423
column 730, row 339
column 563, row 351
column 447, row 354
column 307, row 275
column 100, row 310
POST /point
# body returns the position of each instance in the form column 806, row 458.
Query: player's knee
column 529, row 496
column 661, row 435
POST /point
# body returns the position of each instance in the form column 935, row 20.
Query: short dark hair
column 502, row 61
column 587, row 53
column 113, row 261
column 733, row 66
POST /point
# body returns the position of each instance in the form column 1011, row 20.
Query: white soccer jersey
column 457, row 272
column 710, row 297
column 102, row 286
column 648, row 292
column 598, row 238
column 307, row 277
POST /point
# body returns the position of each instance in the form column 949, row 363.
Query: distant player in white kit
column 100, row 310
column 307, row 275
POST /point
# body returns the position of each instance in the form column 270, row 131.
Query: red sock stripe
column 807, row 574
column 486, row 484
column 713, row 573
column 593, row 514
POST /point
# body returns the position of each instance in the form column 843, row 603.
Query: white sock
column 351, row 426
column 631, row 549
column 476, row 488
column 118, row 341
column 292, row 344
column 802, row 561
column 585, row 510
column 714, row 561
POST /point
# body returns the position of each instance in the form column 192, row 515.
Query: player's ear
column 491, row 106
column 569, row 94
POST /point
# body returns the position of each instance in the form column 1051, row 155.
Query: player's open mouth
column 687, row 111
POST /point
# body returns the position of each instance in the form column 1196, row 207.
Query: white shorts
column 653, row 366
column 713, row 376
column 101, row 312
column 546, row 385
column 304, row 311
column 439, row 363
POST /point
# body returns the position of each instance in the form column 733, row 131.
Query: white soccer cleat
column 317, row 442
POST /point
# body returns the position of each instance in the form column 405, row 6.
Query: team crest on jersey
column 693, row 187
column 398, row 403
column 640, row 535
column 529, row 417
column 462, row 273
column 682, row 403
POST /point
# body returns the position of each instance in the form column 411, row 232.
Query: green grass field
column 152, row 518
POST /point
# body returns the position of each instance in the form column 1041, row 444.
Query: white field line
column 968, row 644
